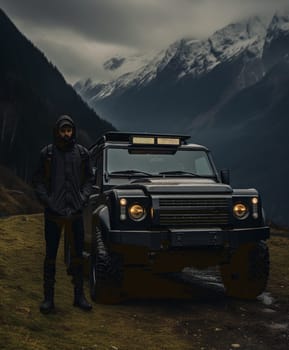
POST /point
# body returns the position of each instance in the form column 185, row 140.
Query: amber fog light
column 123, row 201
column 255, row 207
column 255, row 200
column 240, row 211
column 136, row 212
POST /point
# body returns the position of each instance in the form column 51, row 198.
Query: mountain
column 248, row 131
column 188, row 77
column 249, row 135
column 277, row 40
column 117, row 66
column 229, row 92
column 33, row 93
column 121, row 65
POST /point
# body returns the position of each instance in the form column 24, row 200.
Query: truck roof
column 117, row 136
column 126, row 138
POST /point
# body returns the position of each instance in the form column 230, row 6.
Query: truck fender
column 101, row 217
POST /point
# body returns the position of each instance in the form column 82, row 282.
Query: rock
column 218, row 329
column 268, row 311
column 266, row 298
column 279, row 326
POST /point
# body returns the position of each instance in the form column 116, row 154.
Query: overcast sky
column 79, row 35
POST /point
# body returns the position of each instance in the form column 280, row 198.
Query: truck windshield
column 186, row 162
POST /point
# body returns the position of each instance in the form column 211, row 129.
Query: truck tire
column 247, row 273
column 105, row 275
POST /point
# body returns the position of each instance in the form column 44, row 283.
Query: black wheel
column 105, row 273
column 105, row 279
column 247, row 273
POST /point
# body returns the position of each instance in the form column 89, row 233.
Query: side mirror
column 225, row 176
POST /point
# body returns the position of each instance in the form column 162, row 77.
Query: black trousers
column 74, row 228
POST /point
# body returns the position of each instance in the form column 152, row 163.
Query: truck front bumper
column 173, row 238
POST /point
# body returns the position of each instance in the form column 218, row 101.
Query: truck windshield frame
column 181, row 162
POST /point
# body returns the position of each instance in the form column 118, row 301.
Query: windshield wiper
column 179, row 172
column 130, row 172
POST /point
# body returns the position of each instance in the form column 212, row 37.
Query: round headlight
column 136, row 212
column 240, row 211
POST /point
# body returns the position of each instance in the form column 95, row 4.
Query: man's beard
column 65, row 142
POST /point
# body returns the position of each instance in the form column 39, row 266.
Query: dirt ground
column 207, row 321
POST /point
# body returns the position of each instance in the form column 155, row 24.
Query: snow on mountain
column 224, row 44
column 279, row 26
column 142, row 75
column 117, row 66
column 276, row 48
column 120, row 65
column 189, row 57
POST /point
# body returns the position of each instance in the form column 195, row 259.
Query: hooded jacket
column 63, row 181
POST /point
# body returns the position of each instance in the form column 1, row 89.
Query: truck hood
column 178, row 185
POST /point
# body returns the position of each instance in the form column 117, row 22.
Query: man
column 63, row 183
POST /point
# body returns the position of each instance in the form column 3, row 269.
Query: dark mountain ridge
column 33, row 93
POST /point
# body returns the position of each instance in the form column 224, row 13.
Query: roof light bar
column 168, row 141
column 155, row 140
column 141, row 140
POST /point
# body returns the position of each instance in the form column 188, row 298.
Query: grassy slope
column 16, row 196
column 23, row 327
column 126, row 326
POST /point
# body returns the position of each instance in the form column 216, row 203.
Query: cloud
column 126, row 22
column 92, row 30
column 75, row 56
column 136, row 22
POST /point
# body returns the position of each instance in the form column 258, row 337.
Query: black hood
column 179, row 186
column 62, row 144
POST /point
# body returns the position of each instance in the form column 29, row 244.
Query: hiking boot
column 80, row 300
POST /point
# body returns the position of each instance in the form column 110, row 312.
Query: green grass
column 22, row 326
column 135, row 326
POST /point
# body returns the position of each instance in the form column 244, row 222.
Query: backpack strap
column 84, row 156
column 82, row 151
column 49, row 151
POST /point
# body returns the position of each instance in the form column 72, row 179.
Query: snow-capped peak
column 190, row 57
column 142, row 75
column 225, row 44
column 119, row 65
column 278, row 26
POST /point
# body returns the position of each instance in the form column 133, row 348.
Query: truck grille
column 194, row 212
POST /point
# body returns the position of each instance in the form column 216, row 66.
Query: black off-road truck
column 159, row 206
